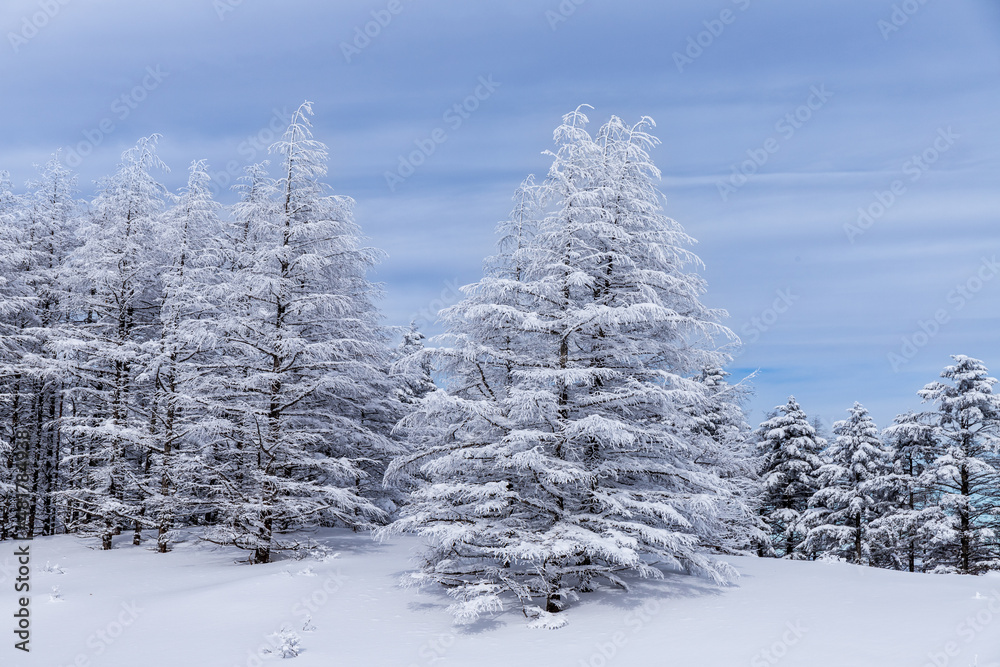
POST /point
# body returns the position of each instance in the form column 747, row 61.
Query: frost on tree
column 561, row 453
column 854, row 492
column 36, row 234
column 411, row 368
column 114, row 305
column 789, row 452
column 911, row 443
column 411, row 372
column 178, row 364
column 965, row 473
column 303, row 380
column 719, row 416
column 15, row 307
column 48, row 237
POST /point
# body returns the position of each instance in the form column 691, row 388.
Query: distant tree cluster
column 922, row 495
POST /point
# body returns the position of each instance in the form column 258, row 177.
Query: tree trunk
column 963, row 514
column 166, row 487
column 107, row 535
column 913, row 537
column 51, row 471
column 857, row 539
column 137, row 530
column 262, row 552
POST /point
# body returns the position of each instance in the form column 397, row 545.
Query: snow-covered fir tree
column 855, row 488
column 789, row 452
column 114, row 307
column 15, row 308
column 910, row 440
column 412, row 376
column 560, row 454
column 49, row 217
column 965, row 473
column 719, row 416
column 178, row 364
column 411, row 368
column 304, row 377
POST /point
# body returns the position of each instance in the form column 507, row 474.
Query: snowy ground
column 195, row 607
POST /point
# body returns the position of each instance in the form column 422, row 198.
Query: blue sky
column 896, row 107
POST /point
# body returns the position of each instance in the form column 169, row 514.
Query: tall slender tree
column 910, row 439
column 789, row 452
column 178, row 359
column 304, row 382
column 965, row 473
column 16, row 305
column 115, row 311
column 48, row 236
column 854, row 492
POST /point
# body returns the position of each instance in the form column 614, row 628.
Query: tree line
column 181, row 367
column 922, row 495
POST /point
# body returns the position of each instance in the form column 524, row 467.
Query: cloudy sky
column 837, row 160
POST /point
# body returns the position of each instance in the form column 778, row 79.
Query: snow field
column 198, row 607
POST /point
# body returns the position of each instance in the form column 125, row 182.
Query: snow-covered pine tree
column 178, row 360
column 720, row 417
column 965, row 473
column 789, row 452
column 411, row 368
column 48, row 236
column 15, row 309
column 305, row 384
column 855, row 488
column 560, row 454
column 230, row 397
column 411, row 372
column 114, row 304
column 910, row 440
column 34, row 230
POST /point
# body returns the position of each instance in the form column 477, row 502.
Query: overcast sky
column 886, row 106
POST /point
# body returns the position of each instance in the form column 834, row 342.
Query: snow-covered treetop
column 132, row 190
column 304, row 157
column 966, row 406
column 857, row 449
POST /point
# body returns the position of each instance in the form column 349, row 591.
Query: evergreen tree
column 854, row 491
column 178, row 359
column 965, row 473
column 560, row 454
column 719, row 416
column 50, row 216
column 16, row 306
column 789, row 452
column 304, row 383
column 411, row 368
column 114, row 278
column 911, row 442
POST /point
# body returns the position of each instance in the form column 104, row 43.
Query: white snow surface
column 198, row 607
